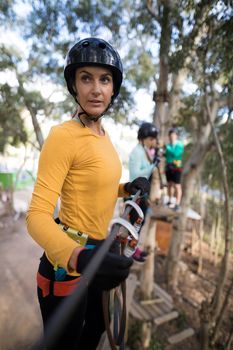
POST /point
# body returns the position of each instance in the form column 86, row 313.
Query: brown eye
column 106, row 79
column 85, row 78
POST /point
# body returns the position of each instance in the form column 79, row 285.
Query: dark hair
column 173, row 131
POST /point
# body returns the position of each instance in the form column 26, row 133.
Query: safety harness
column 56, row 288
column 128, row 237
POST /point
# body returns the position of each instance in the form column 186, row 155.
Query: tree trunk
column 201, row 228
column 191, row 170
column 205, row 324
column 35, row 123
column 37, row 129
column 214, row 310
column 212, row 237
column 229, row 340
column 156, row 186
column 217, row 237
column 216, row 300
column 179, row 227
column 161, row 95
column 174, row 100
column 222, row 312
column 200, row 255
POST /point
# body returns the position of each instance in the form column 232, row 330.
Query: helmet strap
column 92, row 118
column 79, row 114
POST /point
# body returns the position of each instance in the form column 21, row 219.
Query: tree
column 12, row 130
column 206, row 69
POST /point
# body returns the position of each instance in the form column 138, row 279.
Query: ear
column 74, row 88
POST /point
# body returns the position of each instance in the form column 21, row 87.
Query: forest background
column 177, row 58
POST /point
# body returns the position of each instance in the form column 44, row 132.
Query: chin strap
column 92, row 118
column 79, row 114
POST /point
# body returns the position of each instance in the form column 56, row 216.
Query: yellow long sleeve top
column 84, row 170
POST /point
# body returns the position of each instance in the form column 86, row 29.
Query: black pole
column 70, row 304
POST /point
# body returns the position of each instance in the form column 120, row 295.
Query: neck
column 95, row 126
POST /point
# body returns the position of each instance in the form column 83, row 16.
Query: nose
column 96, row 89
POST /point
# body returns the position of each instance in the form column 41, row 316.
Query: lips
column 95, row 101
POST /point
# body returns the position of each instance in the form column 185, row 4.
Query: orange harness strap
column 58, row 289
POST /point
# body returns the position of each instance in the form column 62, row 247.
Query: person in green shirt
column 173, row 153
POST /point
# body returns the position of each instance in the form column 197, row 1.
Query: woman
column 79, row 164
column 174, row 153
column 142, row 161
column 143, row 157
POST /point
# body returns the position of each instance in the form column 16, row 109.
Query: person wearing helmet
column 79, row 165
column 174, row 153
column 142, row 161
column 143, row 157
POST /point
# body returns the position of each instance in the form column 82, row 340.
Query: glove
column 156, row 160
column 113, row 270
column 140, row 183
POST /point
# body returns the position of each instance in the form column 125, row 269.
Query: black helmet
column 147, row 130
column 94, row 52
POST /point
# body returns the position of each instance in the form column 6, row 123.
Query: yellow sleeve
column 55, row 161
column 122, row 192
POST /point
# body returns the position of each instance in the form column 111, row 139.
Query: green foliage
column 6, row 10
column 12, row 130
column 141, row 71
column 181, row 321
column 155, row 343
column 51, row 27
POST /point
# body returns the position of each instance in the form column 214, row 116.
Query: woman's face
column 172, row 137
column 150, row 142
column 94, row 87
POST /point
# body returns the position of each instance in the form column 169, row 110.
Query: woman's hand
column 113, row 270
column 74, row 256
column 140, row 183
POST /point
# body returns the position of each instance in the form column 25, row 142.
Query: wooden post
column 147, row 275
column 193, row 240
column 200, row 257
column 147, row 279
column 146, row 335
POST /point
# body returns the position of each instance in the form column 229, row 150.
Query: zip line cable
column 69, row 306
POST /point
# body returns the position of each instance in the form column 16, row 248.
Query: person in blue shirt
column 174, row 153
column 143, row 157
column 142, row 161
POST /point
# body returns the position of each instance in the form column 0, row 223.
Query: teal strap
column 60, row 273
column 90, row 246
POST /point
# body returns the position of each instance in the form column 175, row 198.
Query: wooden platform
column 162, row 212
column 179, row 337
column 158, row 310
